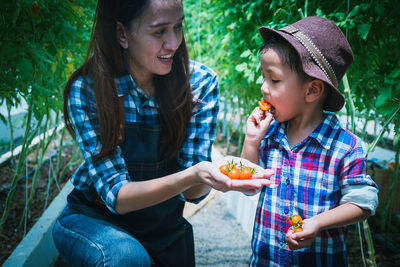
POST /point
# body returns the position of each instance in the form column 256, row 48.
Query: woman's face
column 153, row 38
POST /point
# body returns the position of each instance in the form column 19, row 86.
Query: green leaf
column 363, row 30
column 26, row 68
column 260, row 80
column 3, row 119
column 395, row 73
column 246, row 53
column 385, row 94
column 241, row 67
column 396, row 139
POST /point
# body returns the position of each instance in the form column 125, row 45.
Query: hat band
column 314, row 52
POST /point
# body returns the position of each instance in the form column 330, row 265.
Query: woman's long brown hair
column 104, row 62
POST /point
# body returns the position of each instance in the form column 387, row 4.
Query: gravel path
column 219, row 238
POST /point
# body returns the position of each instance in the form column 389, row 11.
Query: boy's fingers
column 267, row 120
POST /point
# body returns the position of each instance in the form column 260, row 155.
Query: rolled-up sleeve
column 108, row 174
column 357, row 187
column 200, row 131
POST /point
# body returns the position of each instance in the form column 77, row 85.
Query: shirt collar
column 324, row 134
column 126, row 85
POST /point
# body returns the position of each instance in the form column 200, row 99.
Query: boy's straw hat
column 324, row 52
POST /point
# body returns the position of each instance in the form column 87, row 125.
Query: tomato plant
column 42, row 42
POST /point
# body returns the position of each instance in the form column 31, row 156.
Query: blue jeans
column 87, row 241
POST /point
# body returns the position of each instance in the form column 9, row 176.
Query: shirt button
column 287, row 181
column 286, row 210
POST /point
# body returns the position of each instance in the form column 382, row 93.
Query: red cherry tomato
column 264, row 105
column 224, row 169
column 234, row 174
column 295, row 220
column 298, row 229
column 35, row 7
column 245, row 173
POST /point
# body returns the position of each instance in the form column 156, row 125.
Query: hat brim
column 335, row 100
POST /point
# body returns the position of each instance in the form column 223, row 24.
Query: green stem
column 375, row 142
column 21, row 161
column 75, row 159
column 284, row 245
column 44, row 144
column 11, row 134
column 351, row 109
column 361, row 242
column 370, row 243
column 386, row 211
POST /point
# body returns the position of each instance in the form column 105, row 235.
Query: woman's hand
column 305, row 238
column 209, row 173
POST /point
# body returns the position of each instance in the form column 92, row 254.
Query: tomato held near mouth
column 264, row 105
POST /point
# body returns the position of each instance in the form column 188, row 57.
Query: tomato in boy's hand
column 264, row 105
column 298, row 229
column 295, row 220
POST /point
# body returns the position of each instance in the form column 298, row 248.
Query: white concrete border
column 37, row 247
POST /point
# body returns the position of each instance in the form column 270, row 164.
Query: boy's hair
column 286, row 53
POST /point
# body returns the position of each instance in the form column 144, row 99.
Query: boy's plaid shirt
column 308, row 181
column 109, row 173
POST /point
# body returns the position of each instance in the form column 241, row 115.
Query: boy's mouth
column 272, row 110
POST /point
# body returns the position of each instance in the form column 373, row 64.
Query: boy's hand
column 305, row 238
column 257, row 124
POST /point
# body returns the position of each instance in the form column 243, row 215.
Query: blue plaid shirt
column 310, row 178
column 109, row 174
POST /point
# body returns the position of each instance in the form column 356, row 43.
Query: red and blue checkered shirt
column 109, row 173
column 309, row 179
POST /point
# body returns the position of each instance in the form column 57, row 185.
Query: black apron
column 161, row 229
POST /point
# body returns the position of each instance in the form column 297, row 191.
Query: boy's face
column 282, row 87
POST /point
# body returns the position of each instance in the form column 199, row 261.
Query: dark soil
column 13, row 231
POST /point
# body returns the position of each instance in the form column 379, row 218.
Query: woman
column 144, row 118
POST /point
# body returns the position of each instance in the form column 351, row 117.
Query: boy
column 320, row 168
